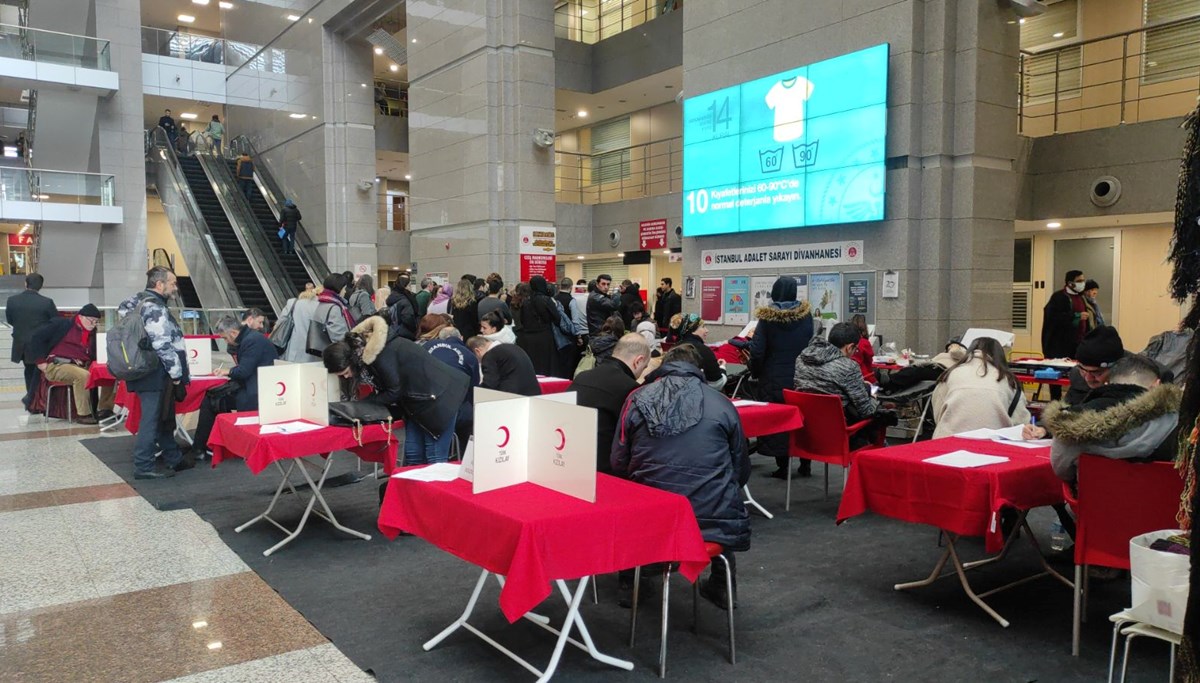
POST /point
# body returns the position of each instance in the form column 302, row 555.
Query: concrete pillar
column 481, row 81
column 951, row 145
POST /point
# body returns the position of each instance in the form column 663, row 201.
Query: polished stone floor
column 97, row 585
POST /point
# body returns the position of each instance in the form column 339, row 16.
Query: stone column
column 481, row 81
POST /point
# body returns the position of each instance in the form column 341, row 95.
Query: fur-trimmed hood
column 775, row 314
column 1100, row 426
column 374, row 331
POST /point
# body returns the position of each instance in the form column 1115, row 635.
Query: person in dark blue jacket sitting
column 254, row 351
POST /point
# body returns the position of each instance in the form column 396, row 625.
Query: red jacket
column 864, row 356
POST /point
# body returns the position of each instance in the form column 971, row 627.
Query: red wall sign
column 653, row 234
column 15, row 240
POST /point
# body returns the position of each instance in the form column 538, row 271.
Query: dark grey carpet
column 816, row 600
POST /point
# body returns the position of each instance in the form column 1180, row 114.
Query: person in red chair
column 1134, row 416
column 681, row 435
column 827, row 367
column 65, row 347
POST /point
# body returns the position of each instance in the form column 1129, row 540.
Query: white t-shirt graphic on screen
column 787, row 98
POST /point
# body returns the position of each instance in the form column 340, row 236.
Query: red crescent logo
column 562, row 440
column 195, row 353
column 503, row 443
column 853, row 251
column 282, row 388
column 708, row 259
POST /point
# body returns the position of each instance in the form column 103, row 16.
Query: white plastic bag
column 1160, row 582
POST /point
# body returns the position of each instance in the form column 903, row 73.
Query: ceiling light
column 1060, row 34
column 1021, row 21
column 186, row 18
column 293, row 17
column 407, row 176
column 414, row 40
column 579, row 257
column 378, row 50
column 582, row 113
column 310, row 20
column 296, row 116
column 621, row 254
column 364, row 85
column 666, row 251
column 394, row 67
column 216, row 645
column 23, row 230
column 188, row 115
column 200, row 2
column 1054, row 224
column 199, row 624
column 395, row 267
column 225, row 5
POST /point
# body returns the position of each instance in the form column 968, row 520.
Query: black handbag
column 356, row 414
column 221, row 397
column 281, row 334
column 318, row 334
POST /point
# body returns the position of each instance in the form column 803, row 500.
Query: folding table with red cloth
column 99, row 376
column 530, row 537
column 896, row 482
column 761, row 419
column 190, row 403
column 553, row 385
column 375, row 443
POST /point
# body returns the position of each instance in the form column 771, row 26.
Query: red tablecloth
column 895, row 482
column 887, row 366
column 772, row 418
column 243, row 441
column 533, row 536
column 553, row 385
column 99, row 376
column 189, row 404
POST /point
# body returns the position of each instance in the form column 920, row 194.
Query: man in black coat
column 1065, row 321
column 26, row 312
column 254, row 351
column 505, row 367
column 631, row 301
column 599, row 304
column 605, row 388
column 402, row 310
column 669, row 303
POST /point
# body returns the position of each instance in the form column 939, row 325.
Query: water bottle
column 1058, row 537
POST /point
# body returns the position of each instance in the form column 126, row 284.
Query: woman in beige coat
column 978, row 392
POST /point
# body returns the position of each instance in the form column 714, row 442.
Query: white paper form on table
column 442, row 471
column 965, row 459
column 289, row 428
column 246, row 420
column 743, row 402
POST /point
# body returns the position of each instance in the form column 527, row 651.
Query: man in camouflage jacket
column 159, row 390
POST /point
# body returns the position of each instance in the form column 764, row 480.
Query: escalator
column 244, row 277
column 187, row 293
column 297, row 274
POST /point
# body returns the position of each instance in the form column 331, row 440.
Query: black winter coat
column 781, row 334
column 409, row 381
column 599, row 308
column 466, row 319
column 668, row 305
column 1061, row 331
column 506, row 367
column 289, row 218
column 680, row 435
column 26, row 312
column 402, row 313
column 708, row 360
column 254, row 351
column 605, row 388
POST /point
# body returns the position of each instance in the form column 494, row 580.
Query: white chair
column 1125, row 625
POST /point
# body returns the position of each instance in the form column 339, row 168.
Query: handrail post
column 1020, row 94
column 1057, row 56
column 1124, row 72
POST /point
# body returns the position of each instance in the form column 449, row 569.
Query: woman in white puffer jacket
column 978, row 392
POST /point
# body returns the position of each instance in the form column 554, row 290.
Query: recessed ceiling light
column 364, row 85
column 199, row 624
column 1021, row 21
column 189, row 116
column 579, row 257
column 293, row 17
column 1054, row 224
column 1060, row 34
column 414, row 40
column 186, row 18
column 225, row 5
column 620, row 254
column 407, row 176
column 582, row 113
column 666, row 251
column 394, row 67
column 215, row 645
column 378, row 50
column 310, row 20
column 297, row 116
column 200, row 2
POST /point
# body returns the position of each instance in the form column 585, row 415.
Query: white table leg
column 754, row 503
column 314, row 498
column 118, row 419
column 181, row 431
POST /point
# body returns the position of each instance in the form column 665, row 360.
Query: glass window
column 1022, row 260
column 1172, row 52
column 1057, row 69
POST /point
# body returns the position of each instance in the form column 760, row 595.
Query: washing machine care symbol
column 803, row 156
column 771, row 160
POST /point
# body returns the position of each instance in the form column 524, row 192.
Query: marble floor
column 97, row 585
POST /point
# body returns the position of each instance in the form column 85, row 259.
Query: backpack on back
column 129, row 354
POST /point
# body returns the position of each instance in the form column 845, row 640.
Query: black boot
column 805, row 469
column 713, row 588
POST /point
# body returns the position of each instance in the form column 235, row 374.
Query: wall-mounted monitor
column 802, row 147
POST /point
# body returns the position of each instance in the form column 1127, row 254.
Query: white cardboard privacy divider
column 545, row 440
column 293, row 391
column 1005, row 338
column 102, row 347
column 199, row 356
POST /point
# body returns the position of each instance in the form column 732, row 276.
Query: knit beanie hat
column 1101, row 347
column 89, row 311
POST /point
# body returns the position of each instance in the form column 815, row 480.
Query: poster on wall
column 537, row 250
column 825, row 294
column 737, row 300
column 442, row 279
column 760, row 292
column 891, row 285
column 859, row 295
column 652, row 234
column 711, row 300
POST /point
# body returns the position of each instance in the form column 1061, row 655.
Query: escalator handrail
column 160, row 141
column 265, row 261
column 307, row 253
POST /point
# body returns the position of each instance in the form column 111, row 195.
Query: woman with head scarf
column 785, row 326
column 689, row 329
column 441, row 300
column 534, row 316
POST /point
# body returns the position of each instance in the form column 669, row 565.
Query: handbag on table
column 357, row 414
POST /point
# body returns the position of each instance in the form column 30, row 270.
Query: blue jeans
column 423, row 448
column 151, row 438
column 289, row 242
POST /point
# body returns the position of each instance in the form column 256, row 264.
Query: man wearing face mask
column 1065, row 321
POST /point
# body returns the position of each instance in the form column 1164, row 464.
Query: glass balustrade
column 61, row 187
column 182, row 45
column 590, row 21
column 52, row 47
column 646, row 170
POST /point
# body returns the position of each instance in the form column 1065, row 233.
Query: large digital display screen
column 801, row 147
